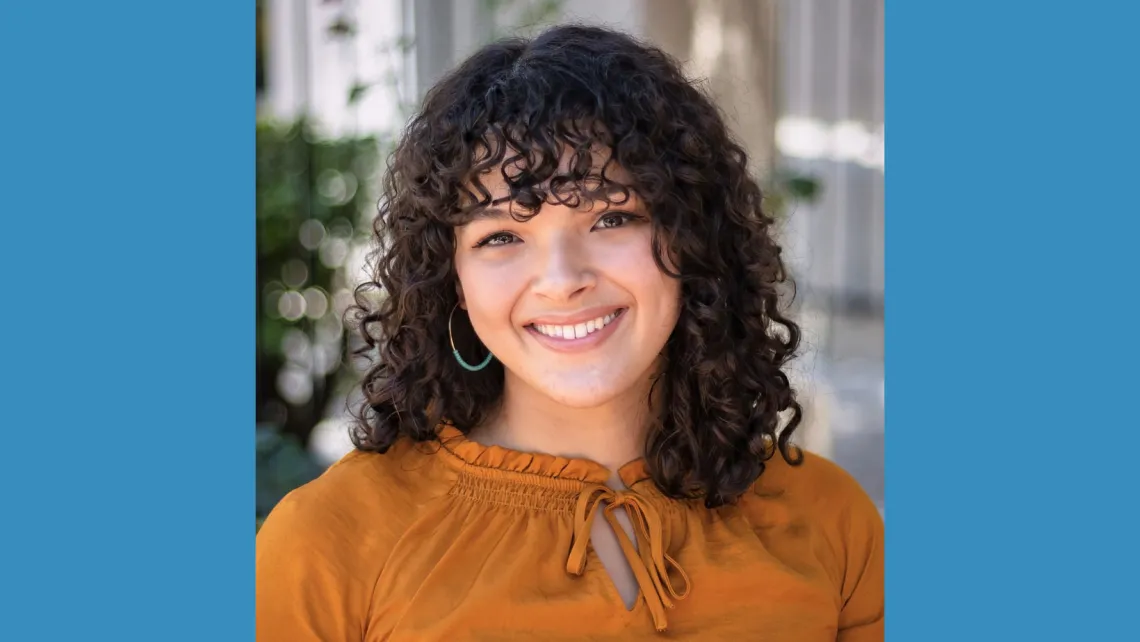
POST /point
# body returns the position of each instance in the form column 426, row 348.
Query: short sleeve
column 861, row 619
column 307, row 588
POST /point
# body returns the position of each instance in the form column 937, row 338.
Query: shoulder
column 820, row 501
column 322, row 548
column 816, row 484
column 365, row 499
column 816, row 496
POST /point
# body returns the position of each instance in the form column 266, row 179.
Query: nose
column 564, row 270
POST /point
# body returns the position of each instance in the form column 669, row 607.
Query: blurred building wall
column 311, row 66
column 731, row 43
column 831, row 125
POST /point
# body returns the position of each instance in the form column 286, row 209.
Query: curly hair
column 519, row 105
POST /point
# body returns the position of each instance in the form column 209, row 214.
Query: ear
column 459, row 293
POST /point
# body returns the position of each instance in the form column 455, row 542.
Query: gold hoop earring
column 455, row 351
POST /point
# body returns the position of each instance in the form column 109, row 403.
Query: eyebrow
column 490, row 213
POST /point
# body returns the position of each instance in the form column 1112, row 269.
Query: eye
column 497, row 239
column 614, row 219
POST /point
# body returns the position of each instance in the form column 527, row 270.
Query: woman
column 578, row 316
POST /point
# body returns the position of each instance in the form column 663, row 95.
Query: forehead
column 582, row 179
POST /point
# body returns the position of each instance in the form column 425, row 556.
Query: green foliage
column 342, row 27
column 313, row 196
column 318, row 187
column 785, row 188
column 524, row 17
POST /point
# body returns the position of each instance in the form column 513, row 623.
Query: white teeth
column 576, row 331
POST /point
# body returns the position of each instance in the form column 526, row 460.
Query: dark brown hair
column 521, row 104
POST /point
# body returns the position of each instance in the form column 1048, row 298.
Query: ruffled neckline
column 579, row 486
column 539, row 466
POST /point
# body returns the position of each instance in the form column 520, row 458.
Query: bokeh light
column 316, row 303
column 295, row 273
column 297, row 347
column 291, row 305
column 295, row 385
column 272, row 299
column 330, row 439
column 312, row 233
column 342, row 300
column 356, row 265
column 341, row 228
column 333, row 252
column 326, row 358
column 336, row 188
column 329, row 329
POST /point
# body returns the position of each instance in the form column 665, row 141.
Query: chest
column 507, row 580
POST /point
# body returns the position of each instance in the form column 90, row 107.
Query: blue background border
column 128, row 371
column 128, row 251
column 1011, row 320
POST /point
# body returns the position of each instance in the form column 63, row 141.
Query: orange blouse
column 473, row 542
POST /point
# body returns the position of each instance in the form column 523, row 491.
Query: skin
column 582, row 398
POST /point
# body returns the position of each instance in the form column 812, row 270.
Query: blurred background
column 801, row 82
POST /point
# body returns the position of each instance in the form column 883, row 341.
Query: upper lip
column 576, row 318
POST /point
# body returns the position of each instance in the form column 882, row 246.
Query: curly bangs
column 537, row 111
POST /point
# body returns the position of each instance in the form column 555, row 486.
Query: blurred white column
column 310, row 68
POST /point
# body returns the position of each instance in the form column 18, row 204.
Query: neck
column 612, row 434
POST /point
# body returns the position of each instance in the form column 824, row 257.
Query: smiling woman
column 580, row 314
column 570, row 301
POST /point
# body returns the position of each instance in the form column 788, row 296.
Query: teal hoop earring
column 455, row 351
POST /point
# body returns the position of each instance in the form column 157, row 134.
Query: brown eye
column 497, row 239
column 613, row 219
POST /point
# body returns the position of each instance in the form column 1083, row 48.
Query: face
column 571, row 301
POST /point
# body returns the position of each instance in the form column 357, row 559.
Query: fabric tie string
column 650, row 564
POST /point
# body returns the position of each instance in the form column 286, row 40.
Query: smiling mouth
column 577, row 330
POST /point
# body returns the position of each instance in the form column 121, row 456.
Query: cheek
column 489, row 292
column 668, row 307
column 634, row 267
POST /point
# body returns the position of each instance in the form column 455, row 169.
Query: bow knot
column 650, row 564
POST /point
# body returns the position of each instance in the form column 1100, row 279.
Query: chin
column 598, row 391
column 579, row 401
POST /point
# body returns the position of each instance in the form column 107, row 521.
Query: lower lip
column 587, row 342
